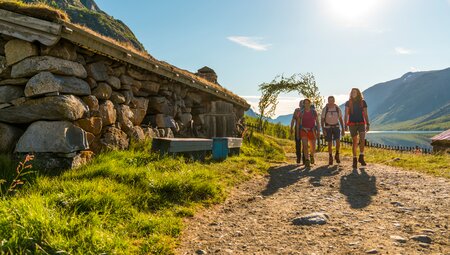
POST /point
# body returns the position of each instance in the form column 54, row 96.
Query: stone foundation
column 65, row 103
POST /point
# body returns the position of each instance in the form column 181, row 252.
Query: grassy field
column 133, row 202
column 124, row 202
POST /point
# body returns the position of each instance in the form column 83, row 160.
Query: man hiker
column 309, row 122
column 332, row 127
column 357, row 120
column 298, row 140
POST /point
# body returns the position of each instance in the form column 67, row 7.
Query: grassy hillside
column 88, row 14
column 124, row 202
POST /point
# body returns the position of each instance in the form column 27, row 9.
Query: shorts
column 356, row 129
column 333, row 133
column 307, row 134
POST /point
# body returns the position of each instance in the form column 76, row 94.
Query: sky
column 344, row 43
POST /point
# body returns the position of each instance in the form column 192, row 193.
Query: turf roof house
column 66, row 93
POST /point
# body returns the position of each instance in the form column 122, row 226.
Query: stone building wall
column 64, row 103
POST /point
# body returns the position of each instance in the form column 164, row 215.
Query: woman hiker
column 357, row 120
column 330, row 119
column 295, row 127
column 309, row 130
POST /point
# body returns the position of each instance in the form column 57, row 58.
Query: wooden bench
column 194, row 148
column 226, row 146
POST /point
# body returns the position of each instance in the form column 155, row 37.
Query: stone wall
column 65, row 103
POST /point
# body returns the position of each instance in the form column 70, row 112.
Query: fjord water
column 402, row 138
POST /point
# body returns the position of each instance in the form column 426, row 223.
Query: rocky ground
column 375, row 210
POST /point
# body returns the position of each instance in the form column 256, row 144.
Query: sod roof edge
column 24, row 27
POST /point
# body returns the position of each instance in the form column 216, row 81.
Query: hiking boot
column 298, row 160
column 336, row 157
column 307, row 164
column 355, row 163
column 303, row 158
column 330, row 160
column 361, row 160
column 311, row 158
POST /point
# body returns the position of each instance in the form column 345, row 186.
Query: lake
column 402, row 138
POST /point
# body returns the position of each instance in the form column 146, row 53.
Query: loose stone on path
column 311, row 219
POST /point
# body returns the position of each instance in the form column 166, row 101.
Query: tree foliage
column 303, row 84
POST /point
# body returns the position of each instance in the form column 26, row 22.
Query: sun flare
column 351, row 10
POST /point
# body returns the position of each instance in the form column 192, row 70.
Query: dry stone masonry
column 65, row 103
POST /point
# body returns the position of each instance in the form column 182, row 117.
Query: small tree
column 303, row 84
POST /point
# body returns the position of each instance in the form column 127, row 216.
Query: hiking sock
column 355, row 162
column 338, row 160
column 361, row 160
column 330, row 160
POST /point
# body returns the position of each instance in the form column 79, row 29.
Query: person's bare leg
column 354, row 145
column 362, row 142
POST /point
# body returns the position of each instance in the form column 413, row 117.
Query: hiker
column 357, row 120
column 298, row 140
column 332, row 127
column 309, row 122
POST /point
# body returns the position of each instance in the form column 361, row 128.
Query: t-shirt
column 356, row 116
column 308, row 119
column 332, row 115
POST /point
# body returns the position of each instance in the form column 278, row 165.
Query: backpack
column 338, row 110
column 302, row 111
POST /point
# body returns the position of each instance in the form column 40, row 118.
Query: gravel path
column 376, row 210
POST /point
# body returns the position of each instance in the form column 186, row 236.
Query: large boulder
column 98, row 71
column 103, row 91
column 117, row 98
column 113, row 139
column 108, row 113
column 46, row 82
column 158, row 105
column 9, row 135
column 92, row 102
column 142, row 76
column 113, row 82
column 151, row 87
column 92, row 125
column 18, row 82
column 63, row 49
column 52, row 136
column 124, row 116
column 139, row 109
column 66, row 107
column 34, row 65
column 9, row 93
column 17, row 50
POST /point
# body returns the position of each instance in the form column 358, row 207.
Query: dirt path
column 375, row 210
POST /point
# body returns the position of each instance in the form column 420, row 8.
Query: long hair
column 358, row 100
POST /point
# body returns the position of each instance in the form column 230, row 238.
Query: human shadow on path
column 284, row 176
column 359, row 188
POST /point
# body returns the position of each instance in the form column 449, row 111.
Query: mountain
column 88, row 14
column 419, row 101
column 415, row 101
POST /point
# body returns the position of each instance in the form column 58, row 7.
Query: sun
column 351, row 10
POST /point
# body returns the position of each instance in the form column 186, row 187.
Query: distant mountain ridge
column 415, row 101
column 87, row 13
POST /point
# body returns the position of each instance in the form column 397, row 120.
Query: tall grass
column 125, row 202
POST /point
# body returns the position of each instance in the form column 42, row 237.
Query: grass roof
column 36, row 10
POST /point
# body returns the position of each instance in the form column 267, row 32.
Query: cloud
column 403, row 51
column 253, row 43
